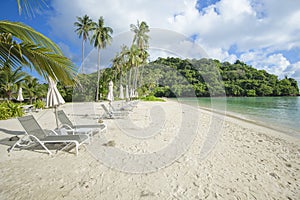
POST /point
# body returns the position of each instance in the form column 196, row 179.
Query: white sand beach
column 163, row 150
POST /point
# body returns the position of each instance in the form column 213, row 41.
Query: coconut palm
column 117, row 67
column 10, row 79
column 134, row 61
column 101, row 38
column 141, row 41
column 30, row 6
column 120, row 63
column 31, row 88
column 22, row 45
column 84, row 26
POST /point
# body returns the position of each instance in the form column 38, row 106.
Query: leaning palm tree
column 30, row 6
column 101, row 38
column 84, row 26
column 20, row 45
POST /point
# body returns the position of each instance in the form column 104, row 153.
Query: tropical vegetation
column 23, row 47
column 84, row 26
column 172, row 77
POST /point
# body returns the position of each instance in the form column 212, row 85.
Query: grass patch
column 152, row 98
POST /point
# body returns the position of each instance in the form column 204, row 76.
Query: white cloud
column 293, row 70
column 272, row 63
column 259, row 29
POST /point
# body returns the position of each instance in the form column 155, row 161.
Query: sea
column 279, row 113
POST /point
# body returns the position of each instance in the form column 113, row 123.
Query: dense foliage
column 172, row 77
column 9, row 110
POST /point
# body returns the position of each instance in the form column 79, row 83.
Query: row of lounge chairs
column 67, row 134
column 112, row 112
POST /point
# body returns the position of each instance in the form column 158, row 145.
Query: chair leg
column 18, row 143
column 43, row 145
column 10, row 149
column 77, row 144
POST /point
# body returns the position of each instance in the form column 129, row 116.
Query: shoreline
column 230, row 114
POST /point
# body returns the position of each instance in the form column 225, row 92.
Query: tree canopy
column 207, row 77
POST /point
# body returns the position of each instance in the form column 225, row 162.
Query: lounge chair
column 35, row 134
column 113, row 114
column 75, row 129
column 123, row 108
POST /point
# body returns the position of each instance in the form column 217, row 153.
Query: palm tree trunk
column 9, row 95
column 129, row 79
column 141, row 76
column 136, row 77
column 98, row 77
column 82, row 63
column 121, row 76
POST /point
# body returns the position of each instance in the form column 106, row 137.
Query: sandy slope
column 162, row 151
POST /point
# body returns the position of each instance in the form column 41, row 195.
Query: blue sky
column 262, row 33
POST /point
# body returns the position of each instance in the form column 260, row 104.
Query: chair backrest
column 32, row 127
column 63, row 118
column 111, row 107
column 105, row 108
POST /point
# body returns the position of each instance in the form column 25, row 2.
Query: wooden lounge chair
column 35, row 134
column 75, row 129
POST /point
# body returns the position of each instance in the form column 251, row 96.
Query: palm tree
column 20, row 45
column 120, row 62
column 117, row 67
column 100, row 38
column 133, row 61
column 31, row 87
column 140, row 31
column 30, row 6
column 141, row 41
column 10, row 79
column 84, row 26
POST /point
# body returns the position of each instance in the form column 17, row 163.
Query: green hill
column 207, row 77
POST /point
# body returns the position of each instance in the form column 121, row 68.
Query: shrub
column 10, row 110
column 39, row 104
column 152, row 98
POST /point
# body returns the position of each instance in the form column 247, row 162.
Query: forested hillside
column 207, row 77
column 174, row 77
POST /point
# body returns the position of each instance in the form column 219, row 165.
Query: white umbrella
column 131, row 93
column 127, row 93
column 136, row 94
column 54, row 98
column 20, row 95
column 121, row 92
column 110, row 95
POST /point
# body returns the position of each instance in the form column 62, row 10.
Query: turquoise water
column 282, row 113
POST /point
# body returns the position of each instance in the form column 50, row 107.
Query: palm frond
column 27, row 34
column 45, row 62
column 30, row 7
